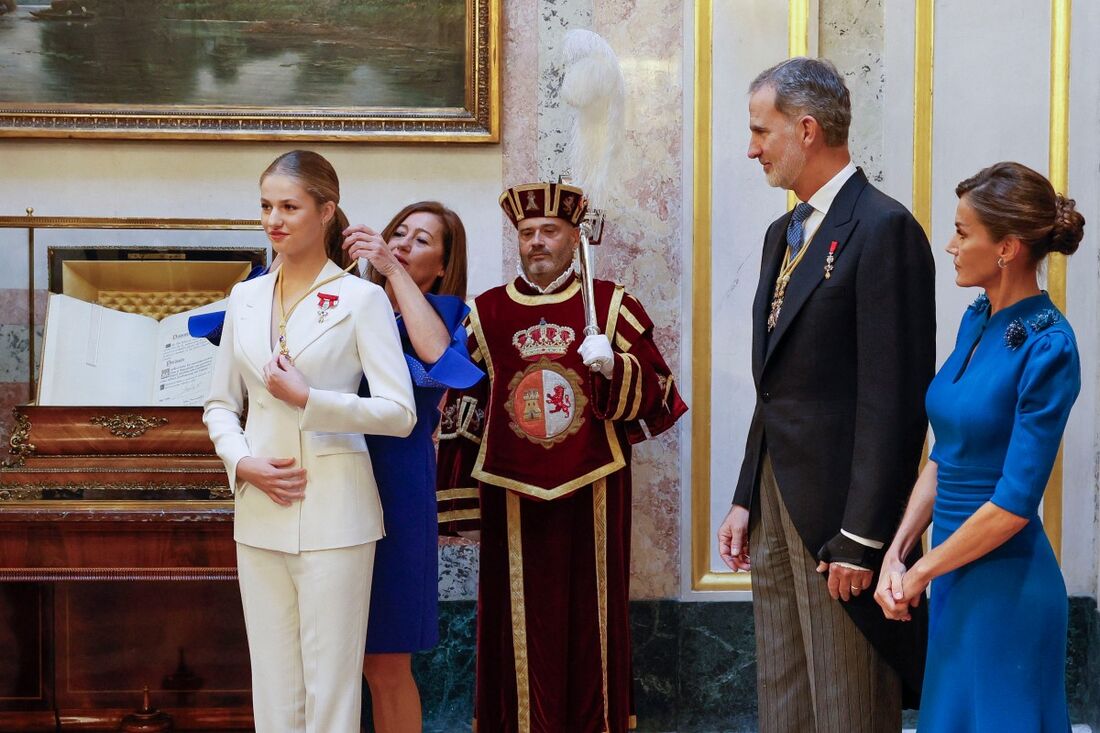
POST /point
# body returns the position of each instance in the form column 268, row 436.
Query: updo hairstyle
column 1011, row 199
column 317, row 176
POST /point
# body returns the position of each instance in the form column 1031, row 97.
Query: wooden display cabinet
column 117, row 561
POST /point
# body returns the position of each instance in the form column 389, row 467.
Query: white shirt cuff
column 863, row 540
column 850, row 566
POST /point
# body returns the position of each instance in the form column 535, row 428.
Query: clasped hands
column 899, row 589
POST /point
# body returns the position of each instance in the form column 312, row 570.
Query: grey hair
column 814, row 87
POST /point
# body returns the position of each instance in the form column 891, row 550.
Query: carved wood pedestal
column 102, row 596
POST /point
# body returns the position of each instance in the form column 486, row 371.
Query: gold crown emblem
column 543, row 339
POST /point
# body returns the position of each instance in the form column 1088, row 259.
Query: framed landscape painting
column 385, row 70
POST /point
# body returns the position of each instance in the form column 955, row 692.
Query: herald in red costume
column 538, row 459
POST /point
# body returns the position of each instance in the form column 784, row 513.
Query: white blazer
column 358, row 336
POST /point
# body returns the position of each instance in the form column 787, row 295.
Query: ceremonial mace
column 593, row 86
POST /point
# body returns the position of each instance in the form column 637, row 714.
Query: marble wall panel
column 852, row 35
column 457, row 570
column 13, row 352
column 519, row 138
column 555, row 18
column 644, row 251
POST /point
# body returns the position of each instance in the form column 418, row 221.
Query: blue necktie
column 794, row 229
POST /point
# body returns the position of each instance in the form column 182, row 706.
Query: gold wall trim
column 702, row 578
column 475, row 120
column 1061, row 13
column 798, row 28
column 798, row 25
column 124, row 222
column 923, row 85
column 798, row 44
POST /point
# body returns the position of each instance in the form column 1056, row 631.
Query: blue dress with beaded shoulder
column 404, row 603
column 997, row 625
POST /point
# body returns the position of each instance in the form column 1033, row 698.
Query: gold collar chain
column 285, row 316
column 785, row 271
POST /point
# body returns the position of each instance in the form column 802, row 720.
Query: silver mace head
column 592, row 226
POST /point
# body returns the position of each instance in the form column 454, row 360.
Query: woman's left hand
column 285, row 382
column 362, row 242
column 913, row 584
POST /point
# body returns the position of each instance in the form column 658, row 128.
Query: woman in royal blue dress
column 420, row 259
column 998, row 407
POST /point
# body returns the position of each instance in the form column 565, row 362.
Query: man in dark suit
column 843, row 350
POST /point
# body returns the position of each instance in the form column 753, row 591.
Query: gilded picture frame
column 382, row 74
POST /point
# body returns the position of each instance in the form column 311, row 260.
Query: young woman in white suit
column 295, row 345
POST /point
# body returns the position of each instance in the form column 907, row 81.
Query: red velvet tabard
column 541, row 401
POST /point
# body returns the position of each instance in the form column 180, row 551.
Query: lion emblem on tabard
column 546, row 403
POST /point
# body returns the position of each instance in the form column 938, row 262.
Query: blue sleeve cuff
column 454, row 368
column 207, row 326
column 450, row 309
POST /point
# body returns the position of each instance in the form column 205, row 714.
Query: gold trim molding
column 1061, row 13
column 923, row 83
column 798, row 26
column 128, row 425
column 476, row 120
column 20, row 445
column 798, row 44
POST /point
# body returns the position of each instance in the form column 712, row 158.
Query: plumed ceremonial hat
column 533, row 200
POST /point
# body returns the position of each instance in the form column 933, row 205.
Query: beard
column 548, row 268
column 788, row 168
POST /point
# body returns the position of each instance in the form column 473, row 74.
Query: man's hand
column 285, row 382
column 733, row 539
column 276, row 477
column 596, row 353
column 845, row 582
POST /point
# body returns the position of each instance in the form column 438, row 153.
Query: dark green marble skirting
column 694, row 667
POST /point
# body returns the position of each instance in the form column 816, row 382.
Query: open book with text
column 94, row 355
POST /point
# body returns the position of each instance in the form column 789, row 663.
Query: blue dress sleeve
column 209, row 325
column 1048, row 388
column 454, row 368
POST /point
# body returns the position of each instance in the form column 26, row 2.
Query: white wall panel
column 992, row 103
column 220, row 180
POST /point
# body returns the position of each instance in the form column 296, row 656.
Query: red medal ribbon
column 327, row 300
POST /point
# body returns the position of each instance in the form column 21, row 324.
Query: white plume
column 594, row 87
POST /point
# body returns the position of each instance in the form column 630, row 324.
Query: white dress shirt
column 823, row 199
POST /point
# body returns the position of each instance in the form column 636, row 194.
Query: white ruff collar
column 561, row 279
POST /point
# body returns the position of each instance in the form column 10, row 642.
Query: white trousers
column 306, row 617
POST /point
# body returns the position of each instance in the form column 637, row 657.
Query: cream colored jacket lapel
column 357, row 337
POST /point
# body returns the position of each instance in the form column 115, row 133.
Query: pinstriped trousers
column 816, row 673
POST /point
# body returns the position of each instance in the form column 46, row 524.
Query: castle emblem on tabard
column 546, row 403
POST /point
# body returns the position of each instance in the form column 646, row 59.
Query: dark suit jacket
column 840, row 387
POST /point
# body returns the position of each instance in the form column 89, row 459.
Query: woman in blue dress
column 420, row 259
column 998, row 407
